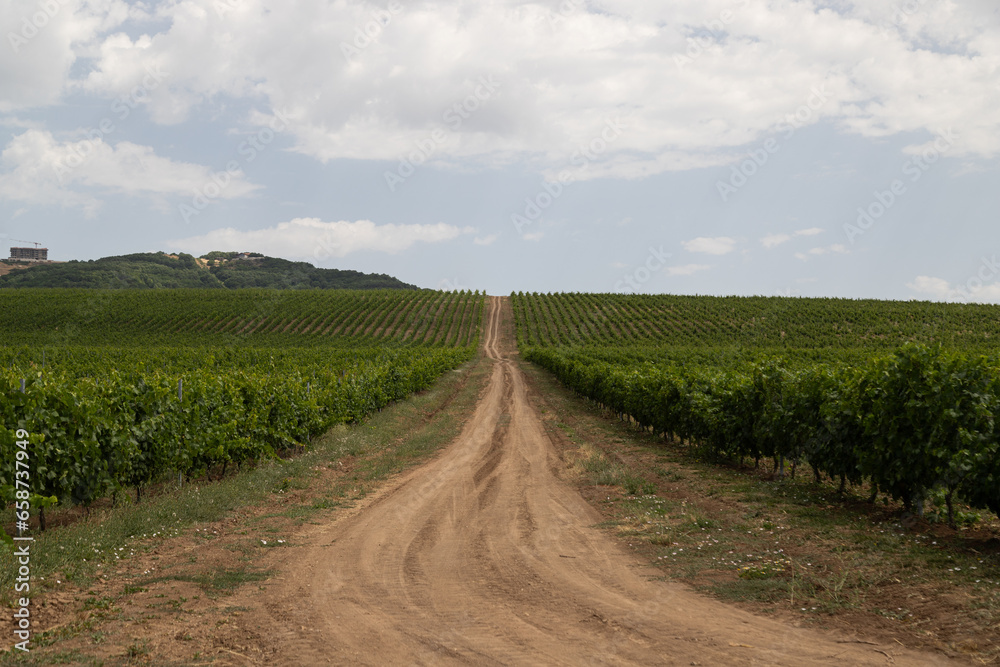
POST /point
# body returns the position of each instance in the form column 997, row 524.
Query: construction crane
column 37, row 244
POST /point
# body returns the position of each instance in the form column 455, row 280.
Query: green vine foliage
column 914, row 421
column 170, row 382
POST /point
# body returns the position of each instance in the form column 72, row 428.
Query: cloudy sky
column 691, row 146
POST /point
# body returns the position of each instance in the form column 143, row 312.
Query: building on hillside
column 29, row 254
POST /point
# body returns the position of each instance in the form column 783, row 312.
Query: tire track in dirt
column 483, row 556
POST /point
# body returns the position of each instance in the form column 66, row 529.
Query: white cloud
column 486, row 240
column 37, row 168
column 713, row 246
column 558, row 83
column 773, row 240
column 812, row 231
column 936, row 288
column 14, row 121
column 836, row 248
column 314, row 239
column 451, row 285
column 687, row 269
column 939, row 289
column 43, row 40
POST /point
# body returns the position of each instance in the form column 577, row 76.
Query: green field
column 771, row 323
column 252, row 317
column 900, row 397
column 122, row 389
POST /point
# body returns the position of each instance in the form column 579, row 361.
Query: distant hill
column 223, row 270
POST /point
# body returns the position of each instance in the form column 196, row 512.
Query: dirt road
column 483, row 556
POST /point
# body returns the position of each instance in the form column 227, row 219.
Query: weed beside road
column 790, row 548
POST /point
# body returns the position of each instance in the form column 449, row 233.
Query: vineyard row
column 615, row 319
column 253, row 316
column 94, row 436
column 920, row 423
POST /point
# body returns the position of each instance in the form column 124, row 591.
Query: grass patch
column 386, row 443
column 603, row 472
column 72, row 553
column 227, row 581
column 792, row 548
column 223, row 581
column 64, row 658
column 751, row 590
column 138, row 649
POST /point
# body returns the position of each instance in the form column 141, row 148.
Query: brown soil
column 6, row 268
column 953, row 619
column 413, row 320
column 438, row 314
column 487, row 554
column 225, row 324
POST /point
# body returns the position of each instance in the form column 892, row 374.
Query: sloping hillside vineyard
column 197, row 317
column 218, row 270
column 901, row 396
column 120, row 389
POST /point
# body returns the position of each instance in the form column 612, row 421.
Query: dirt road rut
column 483, row 556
